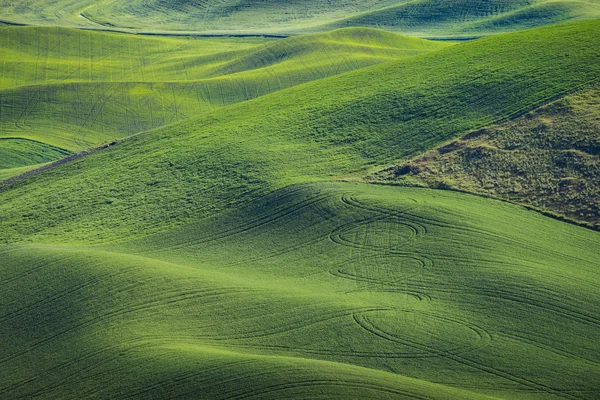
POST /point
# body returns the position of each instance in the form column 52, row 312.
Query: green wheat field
column 267, row 199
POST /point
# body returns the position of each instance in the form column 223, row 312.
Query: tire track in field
column 37, row 94
column 83, row 374
column 459, row 358
column 456, row 357
column 35, row 98
column 172, row 299
column 264, row 220
column 390, row 355
column 317, row 237
column 352, row 201
column 544, row 305
column 498, row 237
column 322, row 383
column 483, row 339
column 277, row 253
column 521, row 294
column 351, row 235
column 27, row 272
column 65, row 293
column 219, row 370
column 289, row 326
column 396, row 232
column 386, row 286
column 391, row 277
column 343, row 234
column 424, row 350
column 525, row 294
column 382, row 212
column 81, row 370
column 546, row 347
column 534, row 386
column 105, row 97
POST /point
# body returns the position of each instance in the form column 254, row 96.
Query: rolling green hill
column 76, row 89
column 16, row 153
column 333, row 127
column 415, row 17
column 20, row 155
column 316, row 291
column 471, row 18
column 219, row 248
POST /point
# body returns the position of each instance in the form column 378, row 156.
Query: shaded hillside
column 321, row 291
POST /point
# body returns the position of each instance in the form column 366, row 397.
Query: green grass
column 421, row 17
column 326, row 129
column 8, row 173
column 221, row 257
column 20, row 153
column 18, row 156
column 549, row 159
column 76, row 89
column 449, row 18
column 316, row 291
column 37, row 56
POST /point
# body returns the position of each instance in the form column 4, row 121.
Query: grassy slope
column 16, row 153
column 8, row 173
column 21, row 155
column 35, row 56
column 449, row 18
column 320, row 130
column 75, row 89
column 422, row 17
column 548, row 158
column 317, row 291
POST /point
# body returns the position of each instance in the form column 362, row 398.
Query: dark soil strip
column 6, row 183
column 5, row 22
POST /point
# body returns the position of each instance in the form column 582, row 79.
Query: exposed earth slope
column 549, row 159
